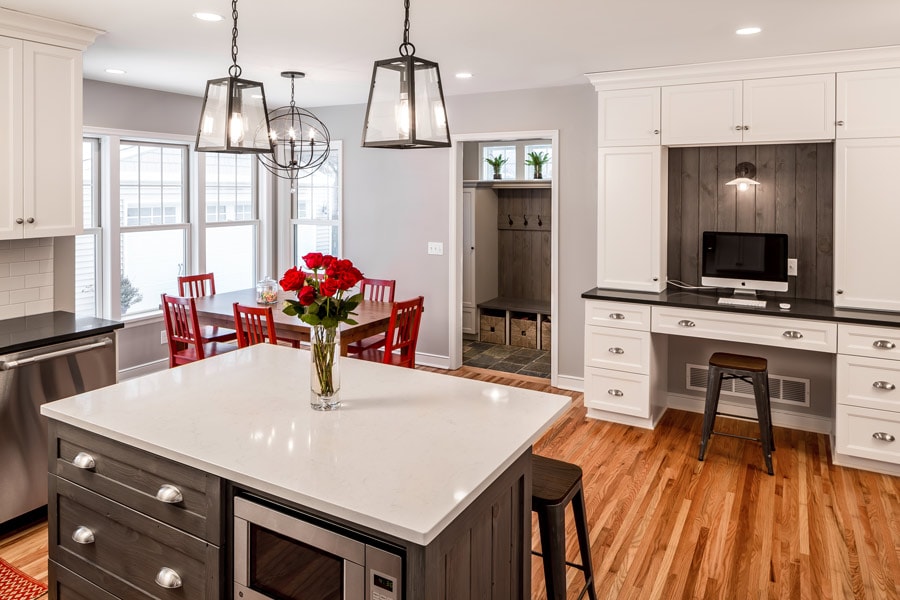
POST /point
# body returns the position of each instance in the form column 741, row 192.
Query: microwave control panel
column 384, row 587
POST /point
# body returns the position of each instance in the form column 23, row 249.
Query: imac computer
column 745, row 262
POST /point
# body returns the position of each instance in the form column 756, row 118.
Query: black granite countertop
column 800, row 308
column 25, row 333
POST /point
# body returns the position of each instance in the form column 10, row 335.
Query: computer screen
column 745, row 261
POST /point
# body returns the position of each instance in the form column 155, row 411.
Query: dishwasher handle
column 7, row 365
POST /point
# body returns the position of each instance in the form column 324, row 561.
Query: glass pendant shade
column 234, row 118
column 744, row 174
column 406, row 105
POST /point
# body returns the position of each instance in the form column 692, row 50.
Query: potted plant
column 497, row 161
column 537, row 160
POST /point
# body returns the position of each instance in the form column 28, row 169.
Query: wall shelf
column 501, row 184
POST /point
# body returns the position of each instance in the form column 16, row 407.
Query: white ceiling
column 507, row 44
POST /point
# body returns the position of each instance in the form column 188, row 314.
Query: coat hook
column 525, row 219
column 540, row 222
column 510, row 220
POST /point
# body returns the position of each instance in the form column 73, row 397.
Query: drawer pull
column 615, row 392
column 168, row 578
column 616, row 350
column 884, row 345
column 83, row 535
column 686, row 323
column 616, row 316
column 83, row 460
column 883, row 437
column 169, row 494
column 884, row 385
column 793, row 335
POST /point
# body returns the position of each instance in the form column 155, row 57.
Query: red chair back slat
column 181, row 328
column 254, row 325
column 377, row 290
column 403, row 332
column 197, row 286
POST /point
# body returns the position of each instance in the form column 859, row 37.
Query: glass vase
column 324, row 367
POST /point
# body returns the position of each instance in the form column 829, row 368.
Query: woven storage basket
column 493, row 329
column 523, row 333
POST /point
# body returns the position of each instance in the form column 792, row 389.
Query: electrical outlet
column 162, row 337
column 792, row 266
column 436, row 248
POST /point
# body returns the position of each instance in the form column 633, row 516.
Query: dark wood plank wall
column 795, row 196
column 523, row 253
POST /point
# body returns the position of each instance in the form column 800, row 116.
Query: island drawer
column 868, row 433
column 171, row 492
column 868, row 382
column 866, row 340
column 617, row 391
column 623, row 315
column 66, row 585
column 618, row 349
column 119, row 549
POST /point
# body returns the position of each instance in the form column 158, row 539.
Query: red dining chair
column 402, row 334
column 197, row 286
column 181, row 330
column 256, row 325
column 375, row 290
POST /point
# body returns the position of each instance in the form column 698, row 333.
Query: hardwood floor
column 664, row 525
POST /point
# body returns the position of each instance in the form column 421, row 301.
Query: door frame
column 455, row 224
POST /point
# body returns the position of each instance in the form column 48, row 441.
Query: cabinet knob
column 686, row 323
column 616, row 350
column 839, row 123
column 83, row 460
column 738, row 127
column 746, row 128
column 656, row 132
column 29, row 220
column 616, row 393
column 19, row 221
column 169, row 494
column 616, row 316
column 656, row 279
column 83, row 535
column 884, row 345
column 883, row 385
column 883, row 437
column 838, row 291
column 168, row 578
column 792, row 335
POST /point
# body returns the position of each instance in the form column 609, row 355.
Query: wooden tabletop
column 372, row 317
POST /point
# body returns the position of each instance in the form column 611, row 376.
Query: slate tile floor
column 510, row 359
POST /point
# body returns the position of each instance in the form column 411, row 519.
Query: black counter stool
column 554, row 484
column 753, row 370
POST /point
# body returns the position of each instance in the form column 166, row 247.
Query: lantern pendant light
column 406, row 102
column 234, row 119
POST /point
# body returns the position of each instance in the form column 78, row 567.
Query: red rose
column 293, row 279
column 327, row 260
column 329, row 287
column 313, row 260
column 306, row 295
column 349, row 277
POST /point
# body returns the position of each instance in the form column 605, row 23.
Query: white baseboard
column 432, row 360
column 569, row 382
column 143, row 369
column 865, row 464
column 781, row 418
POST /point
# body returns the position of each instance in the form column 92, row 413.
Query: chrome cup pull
column 616, row 316
column 83, row 535
column 83, row 460
column 616, row 350
column 169, row 494
column 616, row 393
column 884, row 345
column 883, row 437
column 792, row 335
column 883, row 385
column 168, row 578
column 686, row 323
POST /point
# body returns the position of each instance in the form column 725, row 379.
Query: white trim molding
column 570, row 382
column 25, row 26
column 781, row 418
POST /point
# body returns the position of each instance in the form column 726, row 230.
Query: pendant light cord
column 235, row 70
column 406, row 48
column 292, row 92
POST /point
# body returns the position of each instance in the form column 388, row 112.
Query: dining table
column 371, row 317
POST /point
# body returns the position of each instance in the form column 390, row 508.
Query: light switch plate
column 792, row 267
column 162, row 337
column 436, row 248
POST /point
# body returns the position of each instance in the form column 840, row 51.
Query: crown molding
column 754, row 68
column 25, row 26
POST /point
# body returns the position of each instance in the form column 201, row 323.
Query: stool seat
column 738, row 362
column 553, row 481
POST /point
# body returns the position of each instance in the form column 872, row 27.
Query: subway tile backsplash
column 26, row 277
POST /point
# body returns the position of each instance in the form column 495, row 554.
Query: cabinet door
column 631, row 222
column 703, row 113
column 789, row 108
column 866, row 220
column 52, row 133
column 629, row 117
column 868, row 104
column 10, row 138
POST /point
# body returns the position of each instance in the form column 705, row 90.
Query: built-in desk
column 626, row 339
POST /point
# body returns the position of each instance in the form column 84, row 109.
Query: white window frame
column 520, row 145
column 95, row 229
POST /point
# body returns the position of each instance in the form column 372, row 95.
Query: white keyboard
column 743, row 302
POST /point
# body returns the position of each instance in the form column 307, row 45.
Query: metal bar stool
column 554, row 484
column 753, row 370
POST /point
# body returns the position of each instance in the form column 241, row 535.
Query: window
column 516, row 153
column 88, row 295
column 547, row 169
column 316, row 226
column 508, row 170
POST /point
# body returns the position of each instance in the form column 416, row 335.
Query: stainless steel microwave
column 280, row 555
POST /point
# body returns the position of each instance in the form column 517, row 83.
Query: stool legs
column 584, row 543
column 552, row 525
column 764, row 414
column 713, row 384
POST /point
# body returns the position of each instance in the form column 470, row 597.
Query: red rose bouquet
column 321, row 298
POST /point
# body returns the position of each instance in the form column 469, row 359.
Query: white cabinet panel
column 623, row 315
column 617, row 392
column 789, row 108
column 704, row 113
column 868, row 382
column 631, row 220
column 629, row 117
column 10, row 138
column 618, row 349
column 868, row 104
column 868, row 340
column 866, row 218
column 868, row 433
column 470, row 320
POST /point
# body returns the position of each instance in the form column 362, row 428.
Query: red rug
column 16, row 585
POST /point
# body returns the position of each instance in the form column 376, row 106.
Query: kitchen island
column 432, row 467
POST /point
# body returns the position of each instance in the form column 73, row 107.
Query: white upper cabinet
column 868, row 104
column 778, row 109
column 10, row 137
column 629, row 117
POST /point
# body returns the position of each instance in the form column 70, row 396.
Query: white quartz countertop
column 406, row 453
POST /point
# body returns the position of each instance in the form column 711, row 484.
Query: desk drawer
column 868, row 382
column 868, row 433
column 618, row 349
column 802, row 334
column 864, row 340
column 618, row 392
column 622, row 315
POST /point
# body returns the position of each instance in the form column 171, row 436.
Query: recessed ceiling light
column 205, row 16
column 115, row 71
column 464, row 76
column 748, row 30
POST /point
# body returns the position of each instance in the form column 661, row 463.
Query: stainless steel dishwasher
column 27, row 380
